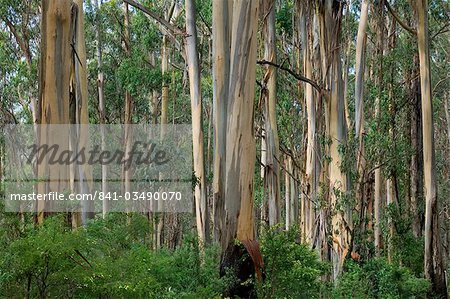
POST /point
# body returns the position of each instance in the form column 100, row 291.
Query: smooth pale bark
column 82, row 118
column 221, row 76
column 360, row 68
column 101, row 99
column 264, row 211
column 287, row 193
column 359, row 100
column 311, row 171
column 433, row 268
column 241, row 152
column 128, row 106
column 271, row 164
column 201, row 206
column 54, row 96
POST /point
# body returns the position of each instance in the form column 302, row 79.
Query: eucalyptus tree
column 270, row 140
column 201, row 204
column 221, row 34
column 434, row 267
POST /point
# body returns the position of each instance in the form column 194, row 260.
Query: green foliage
column 284, row 17
column 292, row 269
column 137, row 77
column 109, row 258
column 379, row 279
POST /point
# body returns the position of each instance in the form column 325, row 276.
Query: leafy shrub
column 379, row 279
column 292, row 270
column 106, row 259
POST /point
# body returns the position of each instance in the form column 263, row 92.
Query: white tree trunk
column 101, row 99
column 201, row 206
column 433, row 268
column 360, row 68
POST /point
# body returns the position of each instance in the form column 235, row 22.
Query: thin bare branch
column 174, row 29
column 399, row 20
column 295, row 75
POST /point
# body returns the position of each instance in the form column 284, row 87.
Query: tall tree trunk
column 433, row 268
column 101, row 99
column 159, row 220
column 240, row 155
column 391, row 200
column 311, row 169
column 241, row 151
column 416, row 173
column 54, row 94
column 377, row 203
column 359, row 70
column 271, row 165
column 359, row 101
column 361, row 200
column 201, row 206
column 128, row 105
column 240, row 134
column 80, row 71
column 221, row 76
column 330, row 14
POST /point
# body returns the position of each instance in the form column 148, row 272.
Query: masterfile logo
column 58, row 168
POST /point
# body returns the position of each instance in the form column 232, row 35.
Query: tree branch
column 397, row 18
column 295, row 75
column 20, row 41
column 174, row 29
